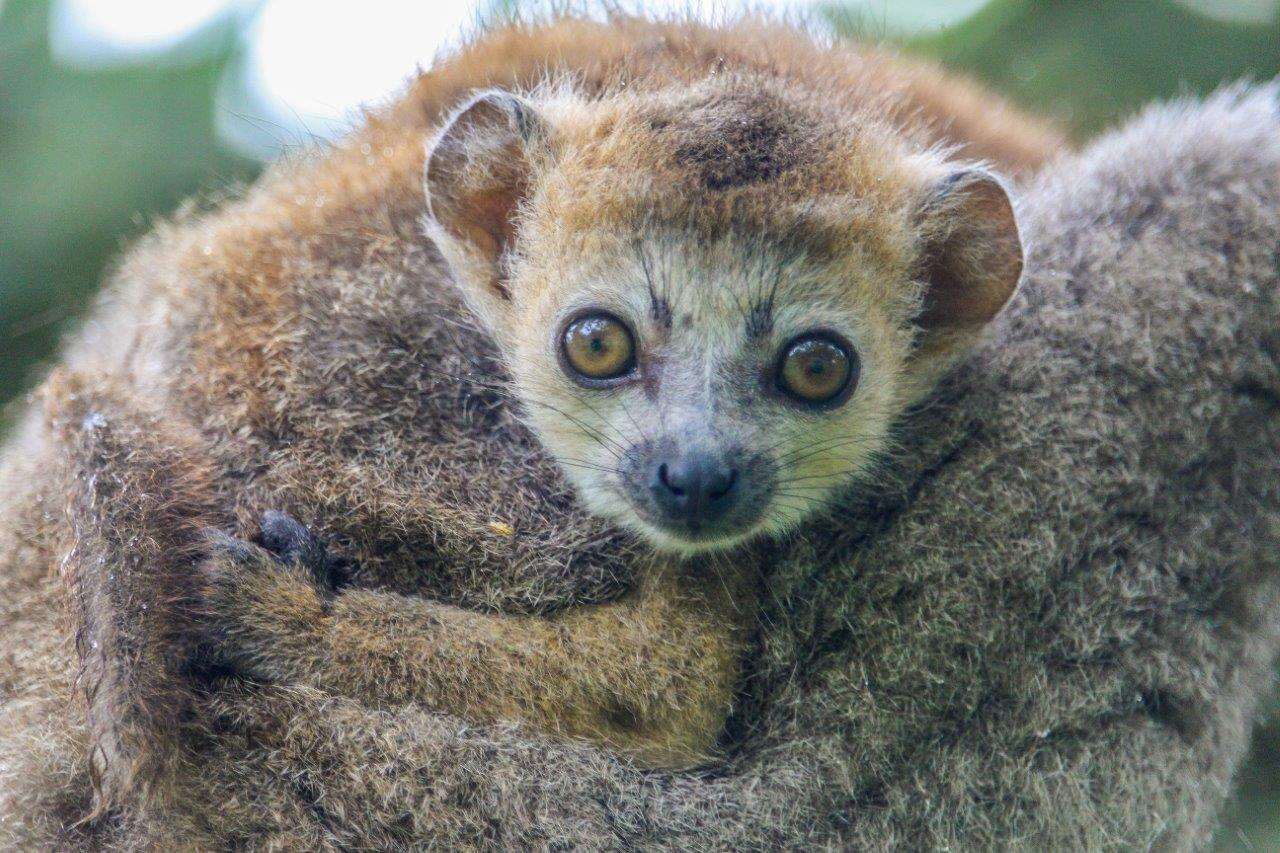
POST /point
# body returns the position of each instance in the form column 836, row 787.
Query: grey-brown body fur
column 1050, row 627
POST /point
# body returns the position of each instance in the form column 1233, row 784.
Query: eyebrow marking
column 660, row 309
column 759, row 319
column 759, row 313
column 659, row 305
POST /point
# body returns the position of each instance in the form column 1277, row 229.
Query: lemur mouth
column 696, row 536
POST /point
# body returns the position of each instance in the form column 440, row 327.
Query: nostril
column 724, row 487
column 664, row 477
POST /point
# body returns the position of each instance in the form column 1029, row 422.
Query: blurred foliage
column 1088, row 62
column 89, row 157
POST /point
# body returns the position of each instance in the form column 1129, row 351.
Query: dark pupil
column 597, row 344
column 817, row 367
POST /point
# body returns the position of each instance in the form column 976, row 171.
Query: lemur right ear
column 479, row 170
column 970, row 263
column 973, row 255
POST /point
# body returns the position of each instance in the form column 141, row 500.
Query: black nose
column 695, row 486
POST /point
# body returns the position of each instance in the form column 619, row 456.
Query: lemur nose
column 695, row 486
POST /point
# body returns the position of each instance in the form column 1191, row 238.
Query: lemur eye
column 598, row 347
column 817, row 369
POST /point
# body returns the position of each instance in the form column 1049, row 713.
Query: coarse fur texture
column 302, row 348
column 1049, row 626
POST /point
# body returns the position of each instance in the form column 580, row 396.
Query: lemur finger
column 231, row 562
column 232, row 549
column 292, row 542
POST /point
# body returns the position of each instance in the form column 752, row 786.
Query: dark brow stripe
column 659, row 305
column 759, row 320
column 759, row 315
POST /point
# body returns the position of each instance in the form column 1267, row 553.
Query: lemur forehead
column 739, row 286
column 731, row 133
column 739, row 164
column 732, row 138
column 824, row 231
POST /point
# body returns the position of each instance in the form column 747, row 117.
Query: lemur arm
column 125, row 491
column 652, row 675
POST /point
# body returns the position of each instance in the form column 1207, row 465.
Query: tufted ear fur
column 971, row 261
column 479, row 170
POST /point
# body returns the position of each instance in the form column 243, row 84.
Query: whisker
column 590, row 466
column 845, row 472
column 813, row 450
column 616, row 451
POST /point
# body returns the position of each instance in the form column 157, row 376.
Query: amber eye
column 598, row 347
column 817, row 369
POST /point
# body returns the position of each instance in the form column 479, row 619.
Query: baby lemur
column 716, row 263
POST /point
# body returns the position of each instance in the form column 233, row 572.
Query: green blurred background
column 92, row 153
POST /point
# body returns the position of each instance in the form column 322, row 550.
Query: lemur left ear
column 478, row 172
column 973, row 256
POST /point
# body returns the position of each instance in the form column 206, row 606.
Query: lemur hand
column 266, row 606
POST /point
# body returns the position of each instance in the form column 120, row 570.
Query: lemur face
column 703, row 395
column 712, row 348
